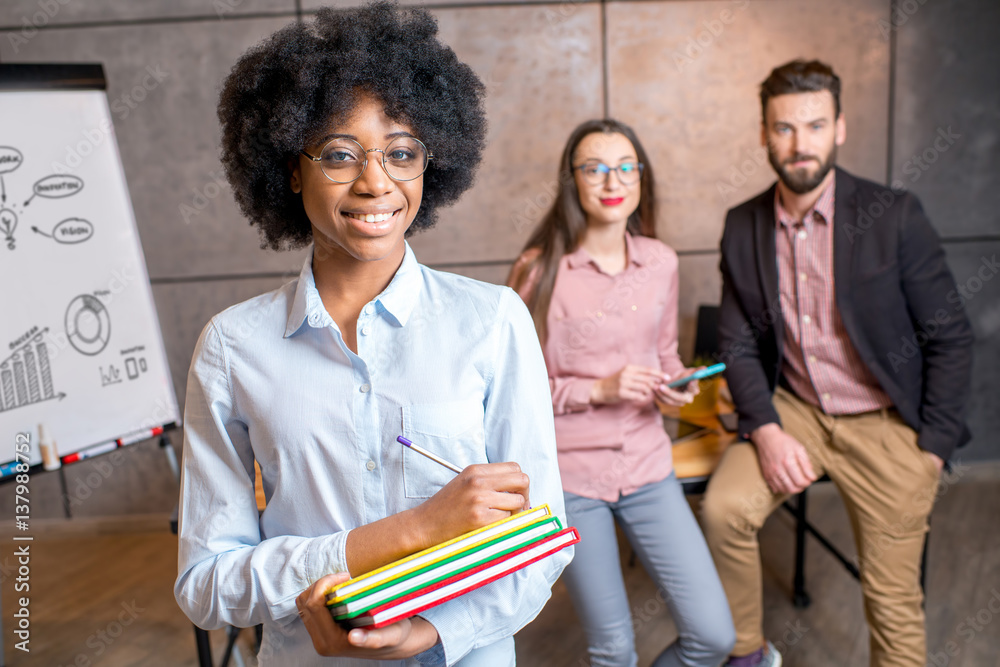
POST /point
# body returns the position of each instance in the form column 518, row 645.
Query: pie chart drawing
column 88, row 325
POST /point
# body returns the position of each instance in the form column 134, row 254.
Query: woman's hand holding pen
column 399, row 640
column 479, row 495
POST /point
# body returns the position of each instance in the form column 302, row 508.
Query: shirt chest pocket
column 453, row 430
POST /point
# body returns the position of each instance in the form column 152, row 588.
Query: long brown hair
column 561, row 229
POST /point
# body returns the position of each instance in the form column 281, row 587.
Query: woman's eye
column 400, row 155
column 627, row 168
column 338, row 156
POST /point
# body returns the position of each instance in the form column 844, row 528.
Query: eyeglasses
column 344, row 160
column 595, row 172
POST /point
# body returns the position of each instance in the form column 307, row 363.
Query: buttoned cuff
column 326, row 555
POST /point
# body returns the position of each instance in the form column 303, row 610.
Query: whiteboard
column 82, row 352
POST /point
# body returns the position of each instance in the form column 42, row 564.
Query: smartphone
column 697, row 375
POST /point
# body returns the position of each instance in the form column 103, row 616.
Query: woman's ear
column 295, row 180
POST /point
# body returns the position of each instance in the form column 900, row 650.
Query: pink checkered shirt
column 820, row 363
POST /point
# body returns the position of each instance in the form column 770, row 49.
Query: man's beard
column 798, row 180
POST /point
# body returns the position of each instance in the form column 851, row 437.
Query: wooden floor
column 107, row 599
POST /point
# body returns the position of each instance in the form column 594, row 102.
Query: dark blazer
column 895, row 294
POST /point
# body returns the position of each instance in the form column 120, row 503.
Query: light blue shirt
column 451, row 363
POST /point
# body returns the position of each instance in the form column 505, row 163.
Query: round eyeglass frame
column 364, row 165
column 604, row 175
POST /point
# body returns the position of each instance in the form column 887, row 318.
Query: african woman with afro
column 347, row 134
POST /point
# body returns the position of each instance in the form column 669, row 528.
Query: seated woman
column 349, row 133
column 603, row 292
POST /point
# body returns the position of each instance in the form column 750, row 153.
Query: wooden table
column 694, row 460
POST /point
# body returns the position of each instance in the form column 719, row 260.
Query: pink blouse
column 598, row 323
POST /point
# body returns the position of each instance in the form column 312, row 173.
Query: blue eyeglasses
column 596, row 172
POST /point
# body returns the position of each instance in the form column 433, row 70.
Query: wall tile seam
column 155, row 20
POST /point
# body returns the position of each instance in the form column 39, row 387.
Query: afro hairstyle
column 283, row 94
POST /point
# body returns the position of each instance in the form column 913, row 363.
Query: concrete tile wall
column 686, row 76
column 29, row 15
column 542, row 71
column 947, row 115
column 946, row 149
column 684, row 73
column 974, row 265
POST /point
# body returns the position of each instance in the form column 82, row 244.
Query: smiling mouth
column 612, row 201
column 371, row 217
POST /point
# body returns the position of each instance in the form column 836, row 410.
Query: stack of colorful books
column 428, row 578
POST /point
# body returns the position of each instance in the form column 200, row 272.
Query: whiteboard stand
column 64, row 489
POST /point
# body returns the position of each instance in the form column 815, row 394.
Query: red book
column 463, row 582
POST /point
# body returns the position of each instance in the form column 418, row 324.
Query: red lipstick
column 612, row 201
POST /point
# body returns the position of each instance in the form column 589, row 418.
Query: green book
column 445, row 568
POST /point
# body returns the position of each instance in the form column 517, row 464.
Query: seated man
column 846, row 357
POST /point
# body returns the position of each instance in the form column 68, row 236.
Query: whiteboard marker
column 139, row 436
column 91, row 452
column 8, row 468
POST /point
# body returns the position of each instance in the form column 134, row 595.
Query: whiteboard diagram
column 53, row 186
column 26, row 375
column 80, row 345
column 88, row 325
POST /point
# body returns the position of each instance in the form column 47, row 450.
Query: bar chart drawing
column 26, row 376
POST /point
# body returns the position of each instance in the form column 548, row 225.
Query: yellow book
column 404, row 566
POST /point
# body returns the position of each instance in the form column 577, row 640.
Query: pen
column 91, row 452
column 433, row 457
column 139, row 436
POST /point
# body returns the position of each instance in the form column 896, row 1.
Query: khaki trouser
column 888, row 485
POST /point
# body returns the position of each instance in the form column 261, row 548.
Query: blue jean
column 497, row 654
column 661, row 528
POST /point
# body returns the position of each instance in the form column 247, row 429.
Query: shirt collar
column 821, row 210
column 397, row 300
column 581, row 257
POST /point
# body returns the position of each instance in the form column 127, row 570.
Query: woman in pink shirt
column 603, row 294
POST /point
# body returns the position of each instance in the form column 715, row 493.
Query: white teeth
column 371, row 217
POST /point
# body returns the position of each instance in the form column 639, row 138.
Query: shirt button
column 803, row 235
column 369, row 309
column 803, row 277
column 806, row 319
column 365, row 330
column 635, row 307
column 370, row 465
column 600, row 314
column 826, row 397
column 314, row 320
column 812, row 357
column 365, row 388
